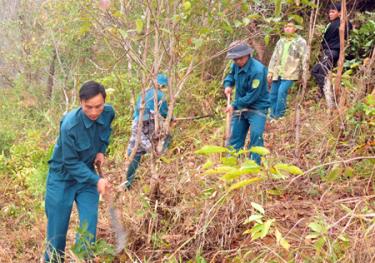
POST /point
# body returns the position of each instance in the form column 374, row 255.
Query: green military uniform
column 72, row 177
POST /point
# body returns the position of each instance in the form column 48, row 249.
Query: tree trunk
column 51, row 76
column 340, row 93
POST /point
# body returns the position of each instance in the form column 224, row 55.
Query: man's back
column 149, row 104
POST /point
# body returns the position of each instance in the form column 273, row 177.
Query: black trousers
column 326, row 63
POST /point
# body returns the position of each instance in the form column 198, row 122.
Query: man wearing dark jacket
column 330, row 47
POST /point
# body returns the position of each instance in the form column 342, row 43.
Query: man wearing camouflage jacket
column 148, row 128
column 286, row 65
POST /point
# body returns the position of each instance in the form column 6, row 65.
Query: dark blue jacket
column 251, row 85
column 79, row 141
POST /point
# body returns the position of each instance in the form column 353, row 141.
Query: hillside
column 310, row 200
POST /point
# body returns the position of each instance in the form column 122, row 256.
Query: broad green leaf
column 259, row 150
column 250, row 170
column 165, row 160
column 348, row 172
column 244, row 183
column 280, row 240
column 333, row 174
column 250, row 166
column 249, row 163
column 252, row 218
column 233, row 175
column 292, row 169
column 319, row 244
column 139, row 25
column 208, row 164
column 370, row 100
column 210, row 149
column 275, row 192
column 242, row 151
column 317, row 227
column 267, row 39
column 208, row 191
column 230, row 161
column 247, row 231
column 220, row 170
column 276, row 174
column 258, row 207
column 187, row 5
column 266, row 227
column 256, row 231
column 344, row 238
column 285, row 244
column 312, row 236
column 298, row 19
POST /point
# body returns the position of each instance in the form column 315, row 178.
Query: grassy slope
column 188, row 219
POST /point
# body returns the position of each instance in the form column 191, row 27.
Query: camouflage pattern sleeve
column 275, row 59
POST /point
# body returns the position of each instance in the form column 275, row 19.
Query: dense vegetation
column 311, row 200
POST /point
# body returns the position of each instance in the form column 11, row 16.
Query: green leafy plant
column 85, row 248
column 237, row 172
column 324, row 243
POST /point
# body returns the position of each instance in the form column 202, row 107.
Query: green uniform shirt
column 79, row 141
column 251, row 85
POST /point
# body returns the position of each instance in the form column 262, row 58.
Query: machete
column 114, row 215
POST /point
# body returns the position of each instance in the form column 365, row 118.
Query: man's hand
column 229, row 108
column 99, row 159
column 103, row 186
column 228, row 91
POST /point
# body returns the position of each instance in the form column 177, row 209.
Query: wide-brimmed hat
column 239, row 49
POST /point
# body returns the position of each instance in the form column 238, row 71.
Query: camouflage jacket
column 291, row 67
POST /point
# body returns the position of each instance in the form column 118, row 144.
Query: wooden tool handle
column 228, row 122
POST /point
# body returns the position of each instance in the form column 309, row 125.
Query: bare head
column 334, row 11
column 92, row 98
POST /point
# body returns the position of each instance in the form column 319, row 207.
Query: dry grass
column 188, row 219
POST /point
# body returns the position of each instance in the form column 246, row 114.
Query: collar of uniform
column 100, row 120
column 86, row 121
column 247, row 66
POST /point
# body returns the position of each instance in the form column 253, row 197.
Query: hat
column 335, row 6
column 239, row 49
column 162, row 80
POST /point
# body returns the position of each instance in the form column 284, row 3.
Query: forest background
column 311, row 200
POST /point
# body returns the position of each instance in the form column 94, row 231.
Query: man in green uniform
column 251, row 103
column 83, row 140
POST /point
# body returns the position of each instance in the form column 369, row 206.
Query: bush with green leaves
column 362, row 40
column 6, row 141
column 28, row 163
column 236, row 171
column 99, row 250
